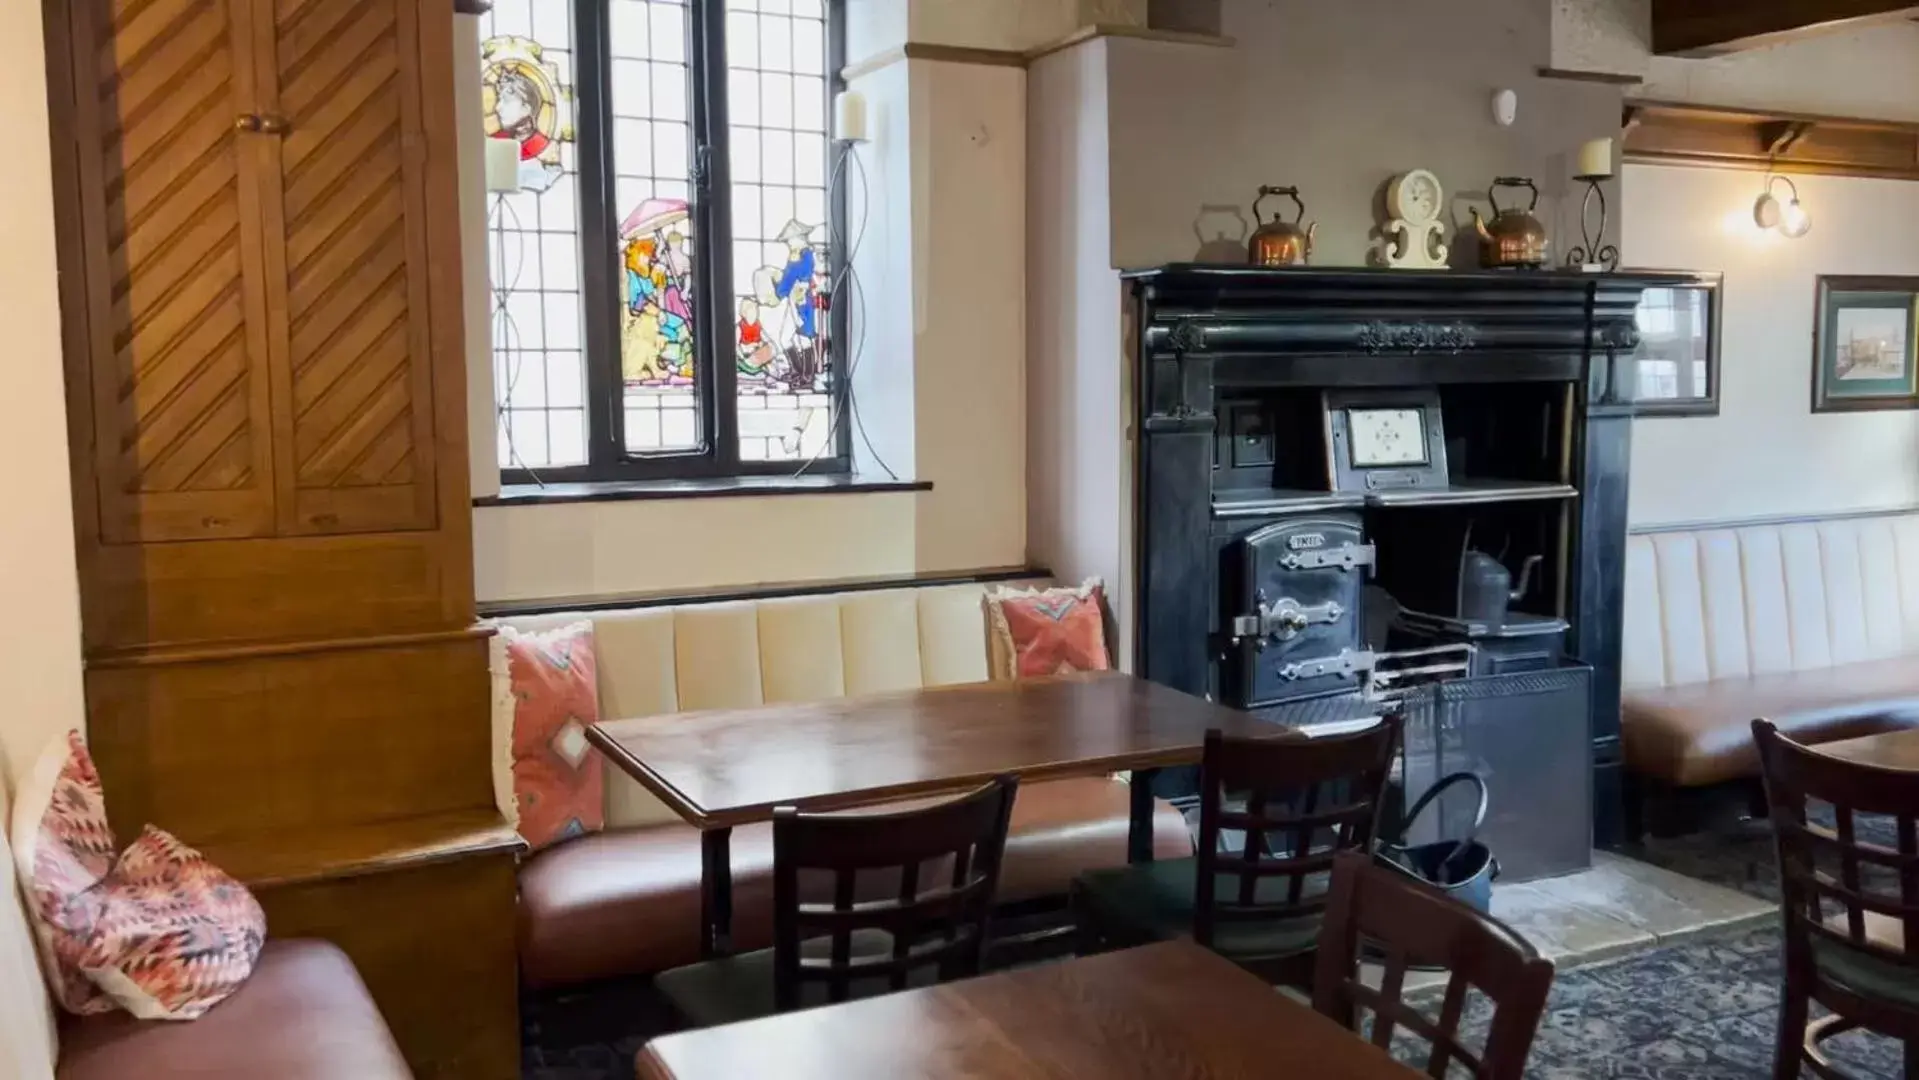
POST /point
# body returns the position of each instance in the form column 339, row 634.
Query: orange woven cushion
column 559, row 780
column 1048, row 632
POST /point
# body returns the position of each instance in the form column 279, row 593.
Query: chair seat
column 1862, row 972
column 1155, row 902
column 736, row 988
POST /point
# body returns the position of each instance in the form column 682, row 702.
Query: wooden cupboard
column 254, row 178
column 260, row 267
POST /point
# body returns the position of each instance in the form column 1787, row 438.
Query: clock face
column 1378, row 437
column 1416, row 196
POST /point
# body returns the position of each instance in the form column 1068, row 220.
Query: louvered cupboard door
column 181, row 424
column 347, row 255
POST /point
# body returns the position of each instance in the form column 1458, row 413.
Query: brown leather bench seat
column 1700, row 733
column 303, row 1015
column 1811, row 624
column 627, row 901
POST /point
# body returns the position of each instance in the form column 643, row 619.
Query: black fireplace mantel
column 1300, row 326
column 1198, row 334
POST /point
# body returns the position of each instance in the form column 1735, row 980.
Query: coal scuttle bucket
column 1463, row 869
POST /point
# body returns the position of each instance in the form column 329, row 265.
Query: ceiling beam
column 1713, row 27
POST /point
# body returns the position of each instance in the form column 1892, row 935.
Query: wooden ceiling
column 1670, row 133
column 1714, row 27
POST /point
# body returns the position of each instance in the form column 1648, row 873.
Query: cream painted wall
column 940, row 380
column 1870, row 71
column 1078, row 510
column 969, row 288
column 1766, row 453
column 595, row 548
column 1012, row 24
column 1198, row 130
column 880, row 208
column 38, row 581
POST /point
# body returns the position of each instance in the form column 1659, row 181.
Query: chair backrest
column 1875, row 886
column 934, row 924
column 1414, row 923
column 1319, row 796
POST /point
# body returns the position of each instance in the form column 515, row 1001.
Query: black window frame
column 716, row 379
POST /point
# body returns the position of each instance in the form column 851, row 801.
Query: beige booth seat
column 626, row 901
column 1814, row 626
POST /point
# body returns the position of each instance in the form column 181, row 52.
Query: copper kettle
column 1279, row 242
column 1515, row 237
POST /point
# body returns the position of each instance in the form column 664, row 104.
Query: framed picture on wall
column 1675, row 369
column 1863, row 344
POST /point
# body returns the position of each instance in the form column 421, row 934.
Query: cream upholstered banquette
column 1813, row 625
column 626, row 901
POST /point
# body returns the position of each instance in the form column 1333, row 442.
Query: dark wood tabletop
column 1892, row 750
column 1168, row 1010
column 728, row 767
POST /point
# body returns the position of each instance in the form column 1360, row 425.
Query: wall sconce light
column 1789, row 218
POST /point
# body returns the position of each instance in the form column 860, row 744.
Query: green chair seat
column 1155, row 902
column 733, row 988
column 1864, row 974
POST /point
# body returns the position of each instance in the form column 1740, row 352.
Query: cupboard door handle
column 256, row 124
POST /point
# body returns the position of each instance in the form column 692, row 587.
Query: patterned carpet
column 1702, row 1010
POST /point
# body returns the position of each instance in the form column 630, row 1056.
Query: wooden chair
column 1413, row 923
column 1305, row 800
column 1846, row 935
column 878, row 930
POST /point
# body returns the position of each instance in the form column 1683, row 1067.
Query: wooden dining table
column 1889, row 750
column 1167, row 1010
column 723, row 768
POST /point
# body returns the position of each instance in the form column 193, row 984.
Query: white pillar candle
column 1595, row 158
column 503, row 166
column 849, row 116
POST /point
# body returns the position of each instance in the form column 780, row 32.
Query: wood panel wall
column 260, row 266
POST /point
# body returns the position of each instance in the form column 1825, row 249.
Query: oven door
column 1295, row 623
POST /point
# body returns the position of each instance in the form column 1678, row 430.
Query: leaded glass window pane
column 777, row 93
column 533, row 236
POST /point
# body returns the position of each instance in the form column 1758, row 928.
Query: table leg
column 716, row 893
column 1139, row 831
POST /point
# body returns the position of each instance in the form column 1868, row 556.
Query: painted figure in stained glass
column 657, row 316
column 523, row 100
column 779, row 329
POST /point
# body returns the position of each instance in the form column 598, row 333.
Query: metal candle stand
column 1591, row 255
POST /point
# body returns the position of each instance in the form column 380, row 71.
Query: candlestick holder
column 1591, row 256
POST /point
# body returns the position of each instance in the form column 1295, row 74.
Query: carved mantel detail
column 1382, row 337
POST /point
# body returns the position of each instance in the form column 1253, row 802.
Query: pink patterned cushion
column 175, row 935
column 63, row 848
column 559, row 781
column 1040, row 632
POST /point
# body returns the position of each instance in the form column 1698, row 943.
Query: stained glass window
column 695, row 300
column 652, row 166
column 776, row 94
column 533, row 236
